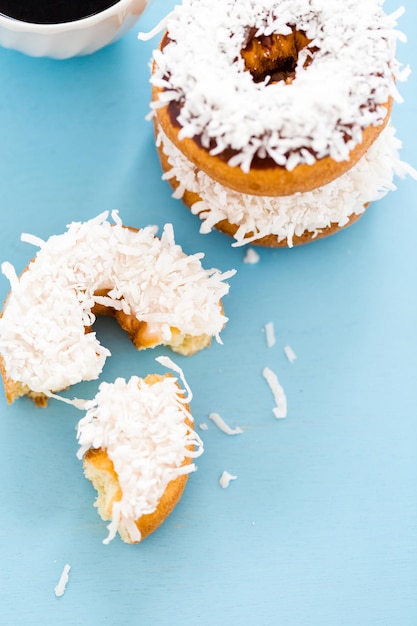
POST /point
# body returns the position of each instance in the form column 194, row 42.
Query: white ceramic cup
column 69, row 39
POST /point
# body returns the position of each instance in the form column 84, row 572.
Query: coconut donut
column 287, row 220
column 275, row 97
column 157, row 293
column 139, row 457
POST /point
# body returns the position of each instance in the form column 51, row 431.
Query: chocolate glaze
column 174, row 108
column 285, row 71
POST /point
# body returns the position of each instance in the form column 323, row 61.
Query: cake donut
column 274, row 97
column 137, row 442
column 157, row 293
column 285, row 220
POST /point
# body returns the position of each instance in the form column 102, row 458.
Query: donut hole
column 274, row 56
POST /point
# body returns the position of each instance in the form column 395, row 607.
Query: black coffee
column 52, row 11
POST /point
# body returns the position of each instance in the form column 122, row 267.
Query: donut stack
column 272, row 116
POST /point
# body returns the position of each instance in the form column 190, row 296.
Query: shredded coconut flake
column 225, row 479
column 251, row 257
column 169, row 363
column 270, row 334
column 290, row 354
column 288, row 216
column 34, row 241
column 203, row 426
column 280, row 410
column 201, row 67
column 10, row 273
column 143, row 430
column 43, row 341
column 78, row 403
column 63, row 581
column 220, row 423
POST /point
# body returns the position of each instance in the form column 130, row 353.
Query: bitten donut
column 275, row 97
column 138, row 443
column 157, row 293
column 285, row 220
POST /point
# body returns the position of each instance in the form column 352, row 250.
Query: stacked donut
column 272, row 116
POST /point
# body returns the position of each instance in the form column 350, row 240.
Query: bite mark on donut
column 182, row 310
column 144, row 336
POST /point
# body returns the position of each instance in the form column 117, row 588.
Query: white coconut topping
column 280, row 410
column 251, row 257
column 223, row 426
column 290, row 354
column 270, row 334
column 60, row 588
column 226, row 478
column 143, row 430
column 43, row 342
column 288, row 216
column 352, row 74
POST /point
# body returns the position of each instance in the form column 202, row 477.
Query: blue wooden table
column 320, row 526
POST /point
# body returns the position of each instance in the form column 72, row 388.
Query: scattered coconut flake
column 169, row 363
column 290, row 354
column 62, row 583
column 251, row 257
column 142, row 36
column 203, row 426
column 220, row 423
column 10, row 273
column 280, row 410
column 225, row 479
column 32, row 239
column 78, row 403
column 270, row 334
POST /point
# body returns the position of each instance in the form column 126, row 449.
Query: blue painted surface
column 320, row 528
